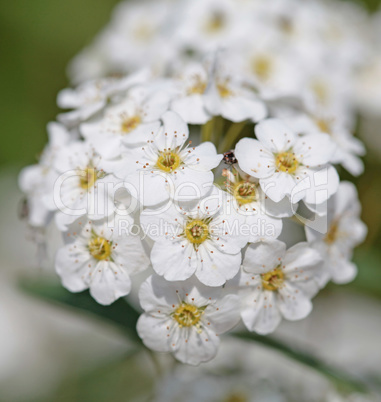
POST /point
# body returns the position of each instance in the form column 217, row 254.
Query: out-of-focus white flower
column 277, row 283
column 216, row 387
column 209, row 24
column 166, row 168
column 81, row 186
column 130, row 122
column 185, row 318
column 91, row 97
column 337, row 126
column 280, row 160
column 345, row 231
column 204, row 239
column 190, row 83
column 137, row 36
column 36, row 180
column 100, row 256
column 228, row 95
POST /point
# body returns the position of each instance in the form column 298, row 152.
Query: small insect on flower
column 229, row 158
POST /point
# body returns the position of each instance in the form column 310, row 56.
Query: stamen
column 286, row 162
column 99, row 248
column 274, row 279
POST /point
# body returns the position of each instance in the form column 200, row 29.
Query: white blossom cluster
column 221, row 125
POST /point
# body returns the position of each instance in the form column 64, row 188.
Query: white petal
column 175, row 131
column 200, row 347
column 261, row 313
column 215, row 267
column 153, row 332
column 264, row 256
column 191, row 109
column 109, row 282
column 156, row 294
column 280, row 185
column 314, row 149
column 239, row 108
column 254, row 159
column 342, row 271
column 227, row 315
column 71, row 265
column 189, row 184
column 204, row 157
column 303, row 267
column 171, row 260
column 275, row 135
column 293, row 304
column 323, row 184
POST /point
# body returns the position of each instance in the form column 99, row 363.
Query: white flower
column 36, row 180
column 277, row 283
column 228, row 96
column 204, row 239
column 100, row 256
column 260, row 213
column 91, row 97
column 81, row 186
column 345, row 231
column 185, row 318
column 136, row 36
column 336, row 125
column 130, row 122
column 280, row 160
column 269, row 65
column 208, row 24
column 166, row 168
column 190, row 84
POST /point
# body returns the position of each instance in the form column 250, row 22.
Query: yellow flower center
column 129, row 123
column 223, row 89
column 196, row 231
column 324, row 125
column 244, row 192
column 144, row 31
column 198, row 88
column 273, row 280
column 168, row 161
column 236, row 397
column 286, row 162
column 320, row 90
column 262, row 66
column 187, row 315
column 216, row 22
column 88, row 177
column 332, row 233
column 99, row 248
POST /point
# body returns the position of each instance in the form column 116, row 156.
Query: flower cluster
column 188, row 148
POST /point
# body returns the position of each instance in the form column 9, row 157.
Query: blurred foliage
column 39, row 37
column 125, row 317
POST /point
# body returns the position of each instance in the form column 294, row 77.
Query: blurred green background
column 38, row 38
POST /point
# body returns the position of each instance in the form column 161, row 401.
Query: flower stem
column 207, row 130
column 231, row 136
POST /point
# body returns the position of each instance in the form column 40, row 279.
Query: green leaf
column 342, row 380
column 120, row 312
